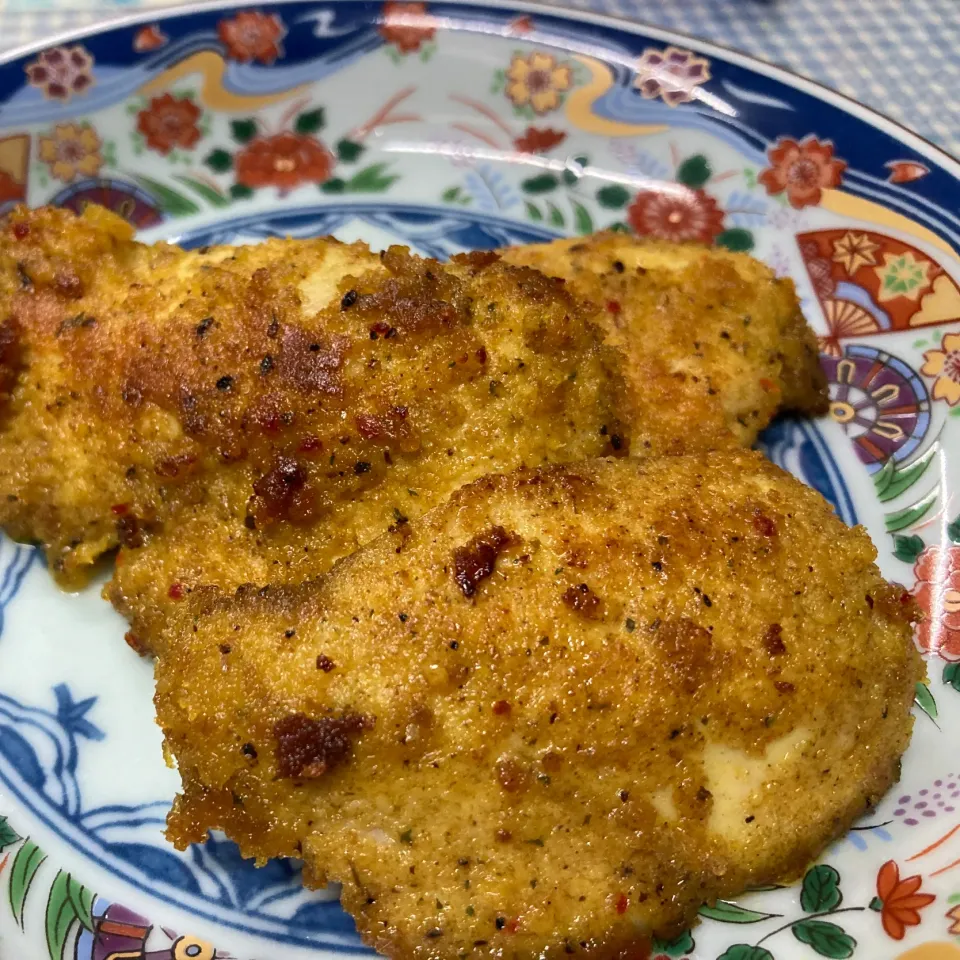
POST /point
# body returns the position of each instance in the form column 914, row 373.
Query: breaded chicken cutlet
column 711, row 338
column 557, row 713
column 253, row 414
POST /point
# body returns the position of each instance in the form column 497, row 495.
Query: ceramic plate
column 463, row 126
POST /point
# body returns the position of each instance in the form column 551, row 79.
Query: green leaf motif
column 953, row 527
column 372, row 179
column 726, row 912
column 213, row 197
column 613, row 196
column 619, row 227
column 8, row 836
column 581, row 218
column 744, row 951
column 695, row 171
column 240, row 191
column 450, row 195
column 900, row 519
column 750, row 177
column 678, row 947
column 348, row 151
column 336, row 185
column 219, row 161
column 890, row 481
column 736, row 239
column 69, row 903
column 925, row 700
column 907, row 549
column 827, row 939
column 25, row 866
column 541, row 184
column 821, row 889
column 499, row 81
column 951, row 676
column 243, row 131
column 171, row 201
column 533, row 211
column 310, row 122
column 555, row 216
column 82, row 900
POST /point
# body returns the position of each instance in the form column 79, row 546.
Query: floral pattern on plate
column 447, row 127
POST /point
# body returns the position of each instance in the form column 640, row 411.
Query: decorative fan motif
column 845, row 319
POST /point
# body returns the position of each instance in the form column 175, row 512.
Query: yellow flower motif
column 944, row 364
column 855, row 250
column 72, row 149
column 902, row 275
column 537, row 81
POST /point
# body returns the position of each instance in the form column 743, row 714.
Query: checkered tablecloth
column 901, row 57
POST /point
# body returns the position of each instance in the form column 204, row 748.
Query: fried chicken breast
column 253, row 414
column 712, row 338
column 558, row 712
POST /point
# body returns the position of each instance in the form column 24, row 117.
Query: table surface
column 900, row 58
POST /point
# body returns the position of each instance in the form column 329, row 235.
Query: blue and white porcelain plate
column 450, row 126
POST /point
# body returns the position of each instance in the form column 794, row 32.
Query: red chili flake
column 584, row 601
column 613, row 307
column 482, row 354
column 310, row 443
column 773, row 640
column 21, row 230
column 767, row 384
column 501, row 707
column 622, row 904
column 476, row 560
column 133, row 642
column 120, row 509
column 906, row 597
column 763, row 524
column 513, row 925
column 176, row 591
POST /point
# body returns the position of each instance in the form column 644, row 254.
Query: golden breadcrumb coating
column 558, row 712
column 715, row 344
column 253, row 414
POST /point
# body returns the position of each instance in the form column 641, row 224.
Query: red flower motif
column 9, row 188
column 676, row 214
column 169, row 122
column 535, row 140
column 898, row 901
column 520, row 25
column 253, row 36
column 61, row 72
column 803, row 169
column 406, row 25
column 149, row 38
column 285, row 161
column 937, row 592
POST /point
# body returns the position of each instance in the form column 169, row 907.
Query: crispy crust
column 736, row 695
column 254, row 414
column 711, row 338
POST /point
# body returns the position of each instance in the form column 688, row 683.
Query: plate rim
column 849, row 105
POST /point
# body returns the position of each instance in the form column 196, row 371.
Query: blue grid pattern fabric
column 900, row 58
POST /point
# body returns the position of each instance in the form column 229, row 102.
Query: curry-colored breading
column 715, row 343
column 253, row 414
column 557, row 713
